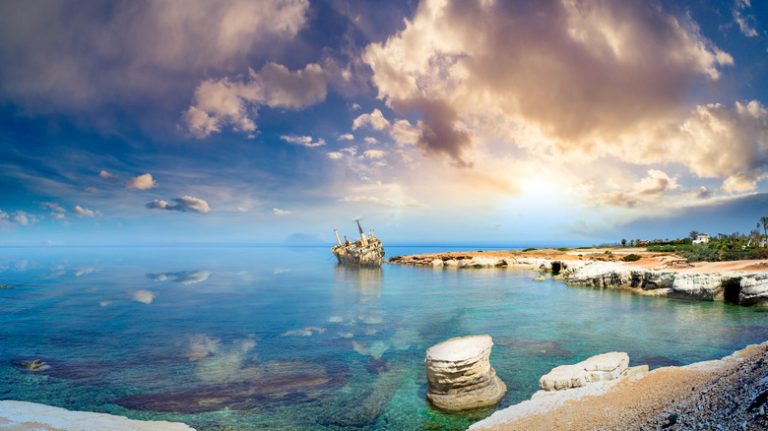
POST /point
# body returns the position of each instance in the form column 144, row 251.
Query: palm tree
column 693, row 234
column 623, row 242
column 764, row 222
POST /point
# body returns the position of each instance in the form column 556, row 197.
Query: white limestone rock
column 603, row 367
column 460, row 375
column 21, row 415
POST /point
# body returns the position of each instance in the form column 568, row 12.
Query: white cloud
column 57, row 211
column 346, row 137
column 697, row 142
column 184, row 204
column 656, row 182
column 746, row 22
column 304, row 141
column 84, row 212
column 106, row 175
column 20, row 218
column 349, row 150
column 142, row 182
column 374, row 154
column 369, row 140
column 374, row 120
column 151, row 48
column 656, row 192
column 23, row 218
column 540, row 70
column 280, row 212
column 334, row 155
column 224, row 102
column 740, row 184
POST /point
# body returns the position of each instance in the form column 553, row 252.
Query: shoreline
column 743, row 282
column 29, row 416
column 731, row 392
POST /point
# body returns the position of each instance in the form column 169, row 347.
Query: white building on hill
column 701, row 238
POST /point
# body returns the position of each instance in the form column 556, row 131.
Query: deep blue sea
column 281, row 338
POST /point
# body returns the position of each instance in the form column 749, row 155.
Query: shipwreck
column 367, row 251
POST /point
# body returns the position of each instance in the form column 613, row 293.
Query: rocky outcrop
column 23, row 416
column 607, row 366
column 599, row 368
column 729, row 286
column 460, row 375
column 736, row 287
column 730, row 393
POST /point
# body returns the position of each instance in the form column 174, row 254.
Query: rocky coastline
column 658, row 274
column 726, row 394
column 26, row 416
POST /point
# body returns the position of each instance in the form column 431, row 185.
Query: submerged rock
column 460, row 374
column 6, row 286
column 279, row 382
column 35, row 365
column 543, row 348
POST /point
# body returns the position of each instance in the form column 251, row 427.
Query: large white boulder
column 460, row 375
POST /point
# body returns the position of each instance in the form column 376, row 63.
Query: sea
column 283, row 338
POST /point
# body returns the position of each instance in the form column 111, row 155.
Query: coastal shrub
column 529, row 249
column 562, row 249
column 631, row 258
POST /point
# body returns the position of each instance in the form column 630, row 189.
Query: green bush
column 631, row 257
column 529, row 249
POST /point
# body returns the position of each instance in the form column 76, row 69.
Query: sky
column 478, row 121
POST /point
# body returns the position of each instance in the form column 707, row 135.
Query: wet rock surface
column 460, row 375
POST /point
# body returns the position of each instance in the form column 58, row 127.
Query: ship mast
column 363, row 238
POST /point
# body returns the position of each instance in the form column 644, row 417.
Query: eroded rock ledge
column 25, row 416
column 745, row 285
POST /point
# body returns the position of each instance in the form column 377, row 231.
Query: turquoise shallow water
column 284, row 339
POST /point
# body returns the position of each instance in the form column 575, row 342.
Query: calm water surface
column 284, row 339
